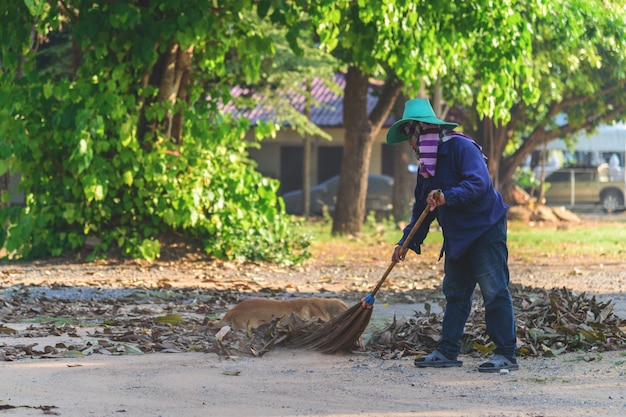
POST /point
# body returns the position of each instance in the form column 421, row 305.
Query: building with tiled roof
column 281, row 157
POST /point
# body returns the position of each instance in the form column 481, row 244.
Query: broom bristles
column 343, row 332
column 339, row 334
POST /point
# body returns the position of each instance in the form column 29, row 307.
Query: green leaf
column 231, row 372
column 74, row 354
column 4, row 166
column 7, row 330
column 128, row 349
column 169, row 319
column 128, row 178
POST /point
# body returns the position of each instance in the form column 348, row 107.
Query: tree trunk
column 306, row 175
column 487, row 139
column 172, row 88
column 306, row 159
column 357, row 149
column 4, row 187
column 171, row 75
column 507, row 166
column 493, row 140
column 361, row 129
column 404, row 180
column 184, row 68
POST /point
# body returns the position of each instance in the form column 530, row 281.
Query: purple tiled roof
column 329, row 114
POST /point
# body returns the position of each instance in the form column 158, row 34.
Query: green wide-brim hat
column 419, row 110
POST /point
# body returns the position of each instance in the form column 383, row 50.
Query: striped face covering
column 427, row 144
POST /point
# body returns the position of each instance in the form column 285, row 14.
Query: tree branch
column 65, row 9
column 387, row 99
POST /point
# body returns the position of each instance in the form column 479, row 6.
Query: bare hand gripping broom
column 342, row 332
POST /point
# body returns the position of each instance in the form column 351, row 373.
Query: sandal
column 497, row 363
column 436, row 360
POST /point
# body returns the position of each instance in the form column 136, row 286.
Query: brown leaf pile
column 178, row 320
column 172, row 320
column 548, row 323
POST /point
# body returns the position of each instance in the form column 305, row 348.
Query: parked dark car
column 584, row 186
column 379, row 191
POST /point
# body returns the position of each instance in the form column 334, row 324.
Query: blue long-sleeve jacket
column 472, row 206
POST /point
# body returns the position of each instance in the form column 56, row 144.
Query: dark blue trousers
column 485, row 264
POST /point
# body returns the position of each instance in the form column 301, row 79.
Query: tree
column 125, row 147
column 581, row 67
column 577, row 67
column 408, row 44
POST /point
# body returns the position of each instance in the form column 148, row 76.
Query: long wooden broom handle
column 405, row 245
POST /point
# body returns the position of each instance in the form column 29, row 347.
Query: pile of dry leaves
column 548, row 323
column 177, row 320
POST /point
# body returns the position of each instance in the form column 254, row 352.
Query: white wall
column 607, row 138
column 268, row 156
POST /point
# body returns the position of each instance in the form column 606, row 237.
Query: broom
column 342, row 332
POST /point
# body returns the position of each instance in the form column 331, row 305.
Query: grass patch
column 598, row 238
column 373, row 231
column 64, row 321
column 547, row 380
column 57, row 321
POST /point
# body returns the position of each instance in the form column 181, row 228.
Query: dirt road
column 300, row 383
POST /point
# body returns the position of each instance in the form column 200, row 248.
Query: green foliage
column 478, row 49
column 227, row 205
column 577, row 62
column 86, row 173
column 525, row 178
column 86, row 106
column 84, row 183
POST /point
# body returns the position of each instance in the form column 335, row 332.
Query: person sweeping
column 453, row 182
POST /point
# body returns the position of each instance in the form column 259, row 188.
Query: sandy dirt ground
column 288, row 382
